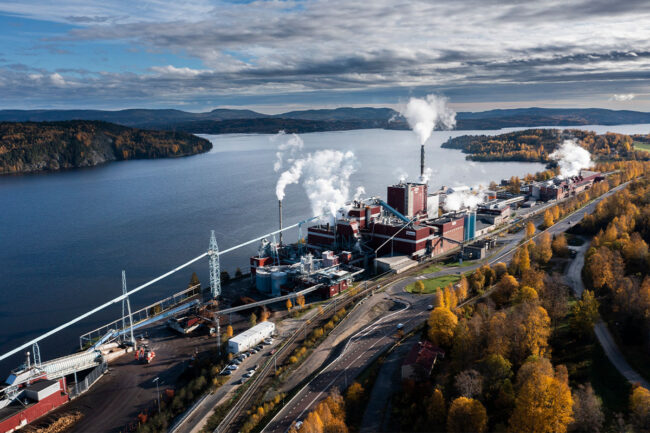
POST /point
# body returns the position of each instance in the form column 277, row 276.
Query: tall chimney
column 280, row 212
column 422, row 163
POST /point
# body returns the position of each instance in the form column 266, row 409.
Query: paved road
column 367, row 345
column 574, row 278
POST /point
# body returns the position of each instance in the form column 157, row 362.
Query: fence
column 79, row 388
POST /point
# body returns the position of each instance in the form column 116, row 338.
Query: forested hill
column 37, row 146
column 224, row 120
column 535, row 145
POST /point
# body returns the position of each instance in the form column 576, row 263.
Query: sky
column 276, row 56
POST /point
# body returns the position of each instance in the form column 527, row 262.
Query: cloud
column 622, row 97
column 341, row 47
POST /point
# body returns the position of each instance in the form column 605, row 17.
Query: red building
column 36, row 400
column 409, row 199
column 449, row 227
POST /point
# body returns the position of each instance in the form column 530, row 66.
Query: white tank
column 263, row 280
column 278, row 279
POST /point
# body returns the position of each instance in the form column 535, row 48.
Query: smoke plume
column 290, row 146
column 571, row 158
column 424, row 115
column 325, row 175
column 463, row 197
column 428, row 172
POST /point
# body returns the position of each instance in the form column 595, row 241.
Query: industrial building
column 251, row 337
column 560, row 189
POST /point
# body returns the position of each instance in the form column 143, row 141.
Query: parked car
column 249, row 374
column 259, row 347
column 400, row 325
column 232, row 367
column 268, row 341
column 236, row 361
column 254, row 368
column 429, row 307
column 226, row 372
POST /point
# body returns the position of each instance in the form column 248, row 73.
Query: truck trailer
column 251, row 337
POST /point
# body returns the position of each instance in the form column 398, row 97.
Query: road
column 573, row 276
column 369, row 343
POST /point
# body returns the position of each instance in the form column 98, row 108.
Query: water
column 65, row 237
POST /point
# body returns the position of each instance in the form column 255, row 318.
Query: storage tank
column 278, row 279
column 263, row 280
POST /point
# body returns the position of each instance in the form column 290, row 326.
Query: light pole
column 157, row 392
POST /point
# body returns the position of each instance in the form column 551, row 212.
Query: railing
column 79, row 388
column 141, row 315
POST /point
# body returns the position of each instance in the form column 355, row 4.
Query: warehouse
column 251, row 337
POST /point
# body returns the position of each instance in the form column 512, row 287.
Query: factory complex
column 397, row 233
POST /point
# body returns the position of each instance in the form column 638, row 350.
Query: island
column 48, row 146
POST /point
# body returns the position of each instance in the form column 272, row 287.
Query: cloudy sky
column 278, row 55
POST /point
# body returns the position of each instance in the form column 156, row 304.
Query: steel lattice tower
column 37, row 355
column 126, row 308
column 215, row 269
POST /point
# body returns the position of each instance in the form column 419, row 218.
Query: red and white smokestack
column 280, row 212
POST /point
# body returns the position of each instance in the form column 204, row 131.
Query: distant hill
column 220, row 121
column 31, row 146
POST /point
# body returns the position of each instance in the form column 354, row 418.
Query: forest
column 38, row 146
column 535, row 145
column 520, row 349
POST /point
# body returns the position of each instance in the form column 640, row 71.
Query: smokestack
column 422, row 162
column 280, row 212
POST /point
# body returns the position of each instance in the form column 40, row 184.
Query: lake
column 66, row 236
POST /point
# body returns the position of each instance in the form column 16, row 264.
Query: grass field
column 433, row 284
column 641, row 146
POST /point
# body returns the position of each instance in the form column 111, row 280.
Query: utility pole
column 218, row 329
column 157, row 392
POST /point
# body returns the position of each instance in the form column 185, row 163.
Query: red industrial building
column 409, row 199
column 561, row 189
column 36, row 400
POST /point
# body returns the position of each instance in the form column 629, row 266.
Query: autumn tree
column 555, row 210
column 640, row 408
column 555, row 297
column 229, row 331
column 442, row 323
column 499, row 333
column 253, row 319
column 560, row 246
column 466, row 415
column 289, row 304
column 500, row 268
column 588, row 414
column 436, row 408
column 584, row 313
column 264, row 315
column 469, row 383
column 506, row 288
column 544, row 250
column 419, row 287
column 527, row 294
column 477, row 281
column 548, row 219
column 496, row 370
column 531, row 331
column 543, row 405
column 300, row 300
column 530, row 229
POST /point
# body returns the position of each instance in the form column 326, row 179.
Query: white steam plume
column 358, row 193
column 423, row 115
column 463, row 197
column 292, row 175
column 571, row 158
column 325, row 176
column 290, row 146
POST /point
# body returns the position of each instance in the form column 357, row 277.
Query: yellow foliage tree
column 463, row 289
column 300, row 300
column 532, row 331
column 524, row 259
column 466, row 415
column 544, row 250
column 640, row 407
column 527, row 294
column 419, row 286
column 289, row 304
column 543, row 405
column 229, row 331
column 442, row 323
column 548, row 219
column 530, row 229
column 556, row 213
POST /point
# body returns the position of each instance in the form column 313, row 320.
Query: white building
column 251, row 337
